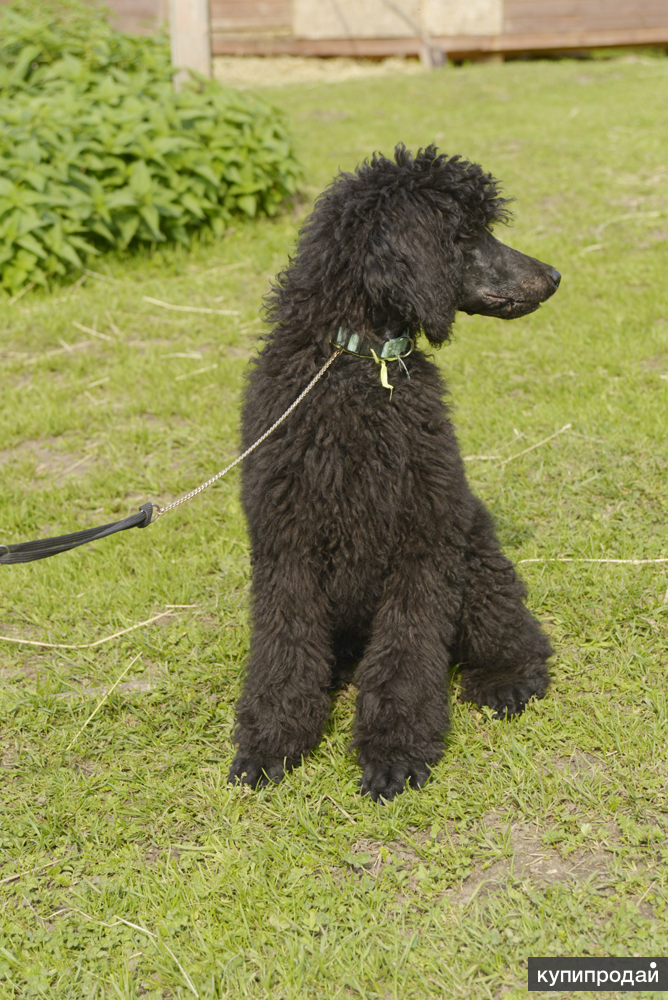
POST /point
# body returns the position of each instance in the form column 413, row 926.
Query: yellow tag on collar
column 384, row 381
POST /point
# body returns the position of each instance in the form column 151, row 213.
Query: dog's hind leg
column 402, row 710
column 285, row 699
column 501, row 646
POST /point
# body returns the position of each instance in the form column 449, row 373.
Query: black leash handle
column 44, row 547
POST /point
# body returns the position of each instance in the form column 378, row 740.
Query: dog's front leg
column 402, row 709
column 503, row 649
column 285, row 699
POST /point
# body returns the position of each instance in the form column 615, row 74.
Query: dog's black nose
column 554, row 276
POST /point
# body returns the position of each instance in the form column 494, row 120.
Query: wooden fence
column 264, row 27
column 374, row 28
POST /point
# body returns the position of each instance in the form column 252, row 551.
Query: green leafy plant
column 98, row 152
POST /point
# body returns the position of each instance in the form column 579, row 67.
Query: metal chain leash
column 159, row 511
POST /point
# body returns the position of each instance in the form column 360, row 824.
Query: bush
column 98, row 152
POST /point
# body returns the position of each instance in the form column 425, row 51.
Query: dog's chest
column 368, row 474
column 356, row 476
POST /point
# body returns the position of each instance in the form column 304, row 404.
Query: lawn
column 128, row 867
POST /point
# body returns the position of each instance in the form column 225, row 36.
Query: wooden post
column 190, row 37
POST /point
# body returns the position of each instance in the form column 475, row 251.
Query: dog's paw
column 256, row 771
column 507, row 699
column 383, row 780
column 506, row 696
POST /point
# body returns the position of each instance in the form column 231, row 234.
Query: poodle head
column 403, row 244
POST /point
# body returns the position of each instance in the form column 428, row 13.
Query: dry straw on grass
column 190, row 309
column 30, row 871
column 116, row 920
column 198, row 371
column 101, row 703
column 88, row 645
column 505, row 461
column 577, row 559
column 92, row 332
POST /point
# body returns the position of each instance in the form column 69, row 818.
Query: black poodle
column 371, row 556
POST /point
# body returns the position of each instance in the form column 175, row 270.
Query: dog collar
column 353, row 343
column 392, row 350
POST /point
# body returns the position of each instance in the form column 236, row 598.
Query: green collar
column 353, row 343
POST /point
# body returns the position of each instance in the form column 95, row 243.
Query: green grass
column 307, row 890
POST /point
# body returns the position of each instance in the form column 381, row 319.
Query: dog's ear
column 413, row 272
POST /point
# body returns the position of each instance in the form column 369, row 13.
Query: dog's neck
column 366, row 346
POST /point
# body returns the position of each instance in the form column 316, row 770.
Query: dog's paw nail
column 507, row 712
column 384, row 781
column 255, row 771
column 508, row 699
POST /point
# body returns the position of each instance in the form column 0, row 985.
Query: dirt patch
column 50, row 462
column 657, row 361
column 9, row 759
column 154, row 854
column 580, row 763
column 24, row 671
column 161, row 342
column 87, row 767
column 212, row 622
column 129, row 687
column 526, row 857
column 373, row 856
column 245, row 72
column 236, row 352
column 16, row 631
column 327, row 116
column 531, row 860
column 32, row 357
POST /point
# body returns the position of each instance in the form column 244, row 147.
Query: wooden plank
column 261, row 27
column 227, row 44
column 139, row 16
column 547, row 16
column 136, row 16
column 257, row 16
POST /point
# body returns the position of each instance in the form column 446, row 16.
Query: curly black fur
column 370, row 553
